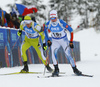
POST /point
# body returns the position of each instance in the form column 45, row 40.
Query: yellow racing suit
column 32, row 35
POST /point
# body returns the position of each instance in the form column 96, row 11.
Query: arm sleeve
column 71, row 35
column 46, row 31
column 22, row 25
column 42, row 36
column 65, row 25
column 46, row 35
column 37, row 27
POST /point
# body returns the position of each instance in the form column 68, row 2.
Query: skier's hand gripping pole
column 19, row 33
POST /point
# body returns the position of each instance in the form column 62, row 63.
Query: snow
column 89, row 64
column 76, row 20
column 89, row 41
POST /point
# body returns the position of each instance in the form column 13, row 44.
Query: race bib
column 57, row 34
column 29, row 34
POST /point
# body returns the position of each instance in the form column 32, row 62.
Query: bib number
column 30, row 35
column 57, row 35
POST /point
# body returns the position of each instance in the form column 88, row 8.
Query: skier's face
column 53, row 19
column 28, row 25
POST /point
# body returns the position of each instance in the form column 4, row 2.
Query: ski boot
column 25, row 69
column 56, row 71
column 49, row 68
column 76, row 71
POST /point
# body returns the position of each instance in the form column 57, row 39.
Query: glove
column 19, row 33
column 44, row 46
column 49, row 43
column 71, row 45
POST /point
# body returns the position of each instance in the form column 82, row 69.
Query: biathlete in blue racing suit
column 56, row 27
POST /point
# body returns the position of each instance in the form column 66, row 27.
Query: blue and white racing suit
column 59, row 38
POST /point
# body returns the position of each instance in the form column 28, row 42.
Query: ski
column 28, row 73
column 85, row 75
column 51, row 76
column 22, row 73
column 59, row 72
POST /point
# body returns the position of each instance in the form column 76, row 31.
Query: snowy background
column 89, row 64
column 3, row 4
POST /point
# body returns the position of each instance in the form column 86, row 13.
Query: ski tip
column 86, row 75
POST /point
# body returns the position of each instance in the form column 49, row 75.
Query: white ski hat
column 53, row 13
column 27, row 21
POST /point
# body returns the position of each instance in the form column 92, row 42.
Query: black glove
column 49, row 43
column 19, row 33
column 44, row 46
column 71, row 44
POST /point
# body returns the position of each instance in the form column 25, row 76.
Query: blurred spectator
column 3, row 19
column 11, row 19
column 0, row 21
column 21, row 18
column 16, row 21
column 33, row 18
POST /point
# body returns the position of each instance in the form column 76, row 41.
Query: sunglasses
column 53, row 18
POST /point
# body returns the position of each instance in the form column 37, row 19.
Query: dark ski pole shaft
column 46, row 60
column 73, row 56
column 13, row 46
column 66, row 47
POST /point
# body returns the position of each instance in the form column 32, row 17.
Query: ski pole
column 66, row 47
column 13, row 46
column 46, row 60
column 73, row 56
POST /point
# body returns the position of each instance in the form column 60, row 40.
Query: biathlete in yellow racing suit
column 32, row 33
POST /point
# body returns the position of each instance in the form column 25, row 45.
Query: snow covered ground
column 89, row 64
